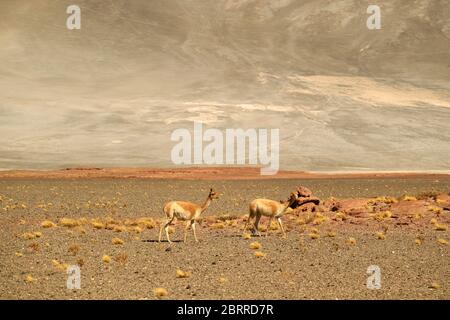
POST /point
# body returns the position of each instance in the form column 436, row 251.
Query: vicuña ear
column 210, row 190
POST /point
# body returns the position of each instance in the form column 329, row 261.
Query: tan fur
column 268, row 208
column 185, row 211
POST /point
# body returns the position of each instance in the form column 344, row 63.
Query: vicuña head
column 185, row 211
column 271, row 209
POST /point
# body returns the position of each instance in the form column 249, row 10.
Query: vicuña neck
column 206, row 204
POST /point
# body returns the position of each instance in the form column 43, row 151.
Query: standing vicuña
column 185, row 211
column 271, row 209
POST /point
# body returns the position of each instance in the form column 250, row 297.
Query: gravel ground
column 221, row 265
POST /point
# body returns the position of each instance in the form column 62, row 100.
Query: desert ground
column 397, row 223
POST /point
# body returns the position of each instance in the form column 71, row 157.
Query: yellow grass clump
column 301, row 221
column 341, row 216
column 48, row 224
column 380, row 235
column 314, row 236
column 119, row 228
column 408, row 198
column 223, row 279
column 255, row 245
column 67, row 222
column 29, row 278
column 435, row 210
column 106, row 259
column 59, row 265
column 386, row 200
column 148, row 223
column 117, row 241
column 171, row 230
column 440, row 227
column 98, row 225
column 247, row 236
column 262, row 228
column 218, row 225
column 331, row 234
column 435, row 285
column 19, row 254
column 160, row 292
column 259, row 254
column 380, row 216
column 273, row 225
column 319, row 219
column 182, row 274
column 442, row 241
column 351, row 241
column 136, row 229
column 433, row 221
column 418, row 241
column 28, row 235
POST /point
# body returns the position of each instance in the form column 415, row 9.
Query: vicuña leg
column 193, row 229
column 188, row 224
column 256, row 230
column 268, row 225
column 166, row 229
column 281, row 226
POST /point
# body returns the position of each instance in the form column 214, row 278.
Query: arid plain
column 109, row 227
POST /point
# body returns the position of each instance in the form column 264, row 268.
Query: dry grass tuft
column 69, row 223
column 380, row 216
column 74, row 249
column 160, row 292
column 29, row 278
column 148, row 223
column 255, row 245
column 218, row 225
column 31, row 235
column 435, row 210
column 119, row 228
column 314, row 236
column 182, row 274
column 34, row 246
column 106, row 259
column 60, row 266
column 385, row 200
column 259, row 254
column 48, row 224
column 80, row 262
column 440, row 227
column 442, row 241
column 121, row 258
column 435, row 285
column 331, row 234
column 380, row 235
column 319, row 219
column 418, row 242
column 340, row 216
column 223, row 280
column 171, row 230
column 136, row 229
column 408, row 198
column 247, row 236
column 351, row 241
column 117, row 241
column 98, row 225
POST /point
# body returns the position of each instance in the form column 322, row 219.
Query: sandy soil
column 222, row 264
